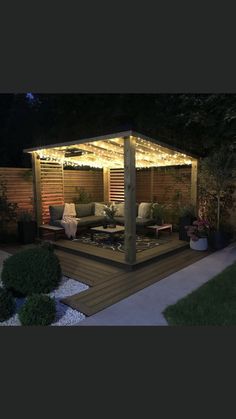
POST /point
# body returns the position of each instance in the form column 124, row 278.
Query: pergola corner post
column 194, row 184
column 130, row 199
column 106, row 184
column 37, row 188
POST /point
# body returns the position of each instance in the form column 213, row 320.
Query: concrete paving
column 145, row 307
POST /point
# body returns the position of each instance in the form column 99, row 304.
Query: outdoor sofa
column 91, row 215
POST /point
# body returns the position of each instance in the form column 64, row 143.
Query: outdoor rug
column 104, row 241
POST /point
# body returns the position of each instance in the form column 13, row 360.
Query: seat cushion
column 56, row 212
column 84, row 210
column 120, row 220
column 91, row 221
column 55, row 223
column 144, row 221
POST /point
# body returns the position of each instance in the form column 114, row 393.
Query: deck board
column 124, row 284
column 102, row 254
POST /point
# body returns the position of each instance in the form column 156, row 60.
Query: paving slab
column 145, row 307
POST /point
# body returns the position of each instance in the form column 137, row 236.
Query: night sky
column 194, row 123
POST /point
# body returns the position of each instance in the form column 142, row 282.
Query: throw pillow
column 144, row 210
column 99, row 209
column 56, row 212
column 120, row 209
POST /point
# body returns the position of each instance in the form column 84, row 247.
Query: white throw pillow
column 120, row 209
column 144, row 210
column 99, row 209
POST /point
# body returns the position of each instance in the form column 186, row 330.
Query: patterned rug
column 117, row 244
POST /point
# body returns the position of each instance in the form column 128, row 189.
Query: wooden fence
column 19, row 186
column 162, row 185
column 58, row 186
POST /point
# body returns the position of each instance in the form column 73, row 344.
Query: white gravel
column 65, row 316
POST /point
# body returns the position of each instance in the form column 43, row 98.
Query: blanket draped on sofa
column 69, row 220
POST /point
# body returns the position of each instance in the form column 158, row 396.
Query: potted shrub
column 187, row 215
column 198, row 233
column 27, row 228
column 158, row 212
column 217, row 173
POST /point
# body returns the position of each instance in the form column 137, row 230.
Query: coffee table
column 110, row 231
column 158, row 228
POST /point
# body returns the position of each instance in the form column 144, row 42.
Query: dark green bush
column 31, row 271
column 7, row 305
column 38, row 310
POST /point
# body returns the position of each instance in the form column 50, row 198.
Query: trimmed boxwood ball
column 32, row 271
column 38, row 310
column 7, row 305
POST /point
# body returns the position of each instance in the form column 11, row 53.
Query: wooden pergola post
column 37, row 188
column 194, row 184
column 130, row 199
column 106, row 184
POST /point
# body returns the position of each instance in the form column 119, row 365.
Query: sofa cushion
column 143, row 221
column 119, row 220
column 99, row 209
column 139, row 221
column 55, row 223
column 84, row 210
column 144, row 210
column 56, row 212
column 91, row 221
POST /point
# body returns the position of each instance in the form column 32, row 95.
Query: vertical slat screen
column 52, row 186
column 116, row 185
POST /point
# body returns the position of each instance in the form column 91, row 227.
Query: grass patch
column 213, row 304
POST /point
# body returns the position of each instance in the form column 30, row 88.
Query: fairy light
column 109, row 153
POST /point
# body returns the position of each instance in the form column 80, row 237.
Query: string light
column 109, row 153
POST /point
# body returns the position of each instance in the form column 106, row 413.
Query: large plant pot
column 218, row 240
column 200, row 244
column 27, row 231
column 183, row 222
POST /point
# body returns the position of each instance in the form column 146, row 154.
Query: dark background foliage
column 194, row 122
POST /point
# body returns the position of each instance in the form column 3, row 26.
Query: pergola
column 128, row 150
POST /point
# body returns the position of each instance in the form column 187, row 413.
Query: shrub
column 7, row 305
column 38, row 310
column 32, row 271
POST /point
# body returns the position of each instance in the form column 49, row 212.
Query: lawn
column 214, row 303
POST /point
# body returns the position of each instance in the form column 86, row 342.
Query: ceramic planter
column 184, row 221
column 200, row 244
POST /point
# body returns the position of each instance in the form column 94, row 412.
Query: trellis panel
column 52, row 186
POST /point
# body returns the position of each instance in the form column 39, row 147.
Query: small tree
column 216, row 177
column 8, row 210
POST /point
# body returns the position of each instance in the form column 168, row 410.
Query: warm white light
column 109, row 153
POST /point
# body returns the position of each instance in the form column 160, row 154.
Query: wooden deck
column 110, row 285
column 117, row 258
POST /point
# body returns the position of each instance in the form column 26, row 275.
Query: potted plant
column 27, row 228
column 217, row 173
column 187, row 215
column 158, row 212
column 110, row 212
column 198, row 233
